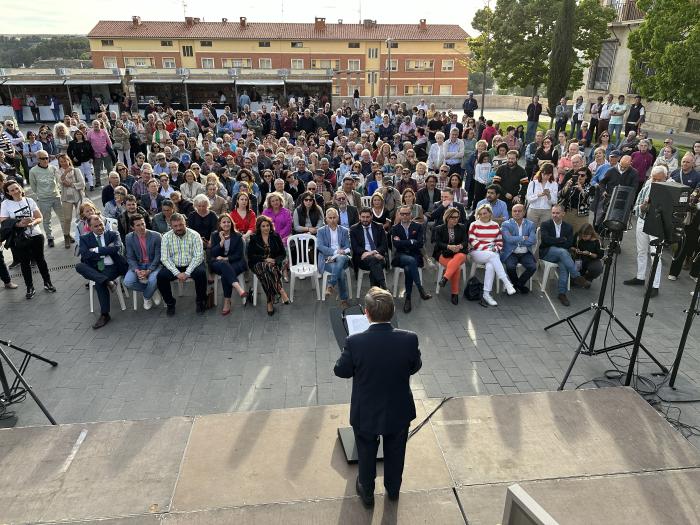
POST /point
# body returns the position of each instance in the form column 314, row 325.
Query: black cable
column 427, row 418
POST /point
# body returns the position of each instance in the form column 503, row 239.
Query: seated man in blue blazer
column 381, row 361
column 519, row 239
column 407, row 239
column 101, row 262
column 369, row 248
column 333, row 245
column 557, row 237
column 143, row 263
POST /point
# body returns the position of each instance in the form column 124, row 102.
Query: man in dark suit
column 453, row 123
column 101, row 262
column 381, row 361
column 407, row 237
column 447, row 201
column 348, row 214
column 429, row 197
column 369, row 248
column 557, row 237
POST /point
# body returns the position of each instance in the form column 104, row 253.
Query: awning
column 92, row 82
column 209, row 81
column 34, row 82
column 309, row 81
column 156, row 80
column 260, row 82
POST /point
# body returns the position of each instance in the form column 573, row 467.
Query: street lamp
column 184, row 74
column 389, row 41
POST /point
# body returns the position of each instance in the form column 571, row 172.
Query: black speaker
column 619, row 210
column 668, row 206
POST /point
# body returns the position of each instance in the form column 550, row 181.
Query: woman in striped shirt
column 486, row 244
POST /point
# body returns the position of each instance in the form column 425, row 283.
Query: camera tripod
column 14, row 392
column 587, row 347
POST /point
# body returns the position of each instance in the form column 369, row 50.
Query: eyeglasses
column 121, row 169
column 341, row 199
column 444, row 171
column 43, row 158
column 404, row 213
column 308, row 200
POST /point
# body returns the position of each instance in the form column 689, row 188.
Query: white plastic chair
column 548, row 267
column 360, row 274
column 478, row 266
column 305, row 265
column 441, row 270
column 217, row 280
column 324, row 283
column 121, row 292
column 398, row 270
column 366, row 201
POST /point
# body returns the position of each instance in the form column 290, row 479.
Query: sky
column 45, row 18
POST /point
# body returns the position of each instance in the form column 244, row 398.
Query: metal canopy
column 260, row 82
column 35, row 82
column 92, row 81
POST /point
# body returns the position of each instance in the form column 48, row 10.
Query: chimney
column 340, row 21
column 422, row 25
column 243, row 22
column 224, row 20
column 189, row 21
column 319, row 24
column 136, row 21
column 368, row 24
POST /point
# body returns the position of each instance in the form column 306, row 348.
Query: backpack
column 473, row 290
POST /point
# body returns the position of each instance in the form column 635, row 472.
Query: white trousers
column 86, row 170
column 492, row 262
column 644, row 252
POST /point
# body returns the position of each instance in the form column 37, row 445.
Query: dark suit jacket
column 441, row 238
column 413, row 245
column 357, row 241
column 146, row 202
column 353, row 214
column 424, row 200
column 448, row 127
column 235, row 256
column 381, row 361
column 113, row 246
column 440, row 211
column 548, row 234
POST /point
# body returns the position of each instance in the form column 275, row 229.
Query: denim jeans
column 147, row 289
column 531, row 131
column 337, row 276
column 612, row 128
column 566, row 264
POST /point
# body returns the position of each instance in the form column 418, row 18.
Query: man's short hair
column 137, row 217
column 365, row 210
column 176, row 217
column 495, row 187
column 379, row 305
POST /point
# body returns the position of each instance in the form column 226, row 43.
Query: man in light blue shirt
column 617, row 113
column 499, row 208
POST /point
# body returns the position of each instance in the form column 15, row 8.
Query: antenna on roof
column 184, row 8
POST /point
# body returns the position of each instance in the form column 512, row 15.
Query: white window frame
column 419, row 65
column 336, row 90
column 298, row 62
column 110, row 62
column 351, row 89
column 316, row 63
column 353, row 61
column 394, row 65
column 448, row 65
column 442, row 90
column 264, row 60
column 392, row 90
column 213, row 62
column 174, row 66
column 373, row 52
column 147, row 62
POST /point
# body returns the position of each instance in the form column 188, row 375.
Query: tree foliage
column 666, row 52
column 522, row 35
column 562, row 59
column 23, row 51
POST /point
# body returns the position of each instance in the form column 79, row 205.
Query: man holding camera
column 381, row 361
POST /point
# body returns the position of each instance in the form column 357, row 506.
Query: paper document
column 356, row 324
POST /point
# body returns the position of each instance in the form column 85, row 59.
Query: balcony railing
column 626, row 10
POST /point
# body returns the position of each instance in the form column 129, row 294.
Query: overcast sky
column 80, row 16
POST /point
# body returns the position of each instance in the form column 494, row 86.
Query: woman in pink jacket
column 281, row 216
column 100, row 141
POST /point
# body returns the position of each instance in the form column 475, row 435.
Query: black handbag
column 473, row 290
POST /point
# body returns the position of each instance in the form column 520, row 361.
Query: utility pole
column 388, row 86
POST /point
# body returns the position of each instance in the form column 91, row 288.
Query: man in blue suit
column 101, row 262
column 143, row 256
column 407, row 239
column 369, row 248
column 381, row 361
column 333, row 245
column 519, row 239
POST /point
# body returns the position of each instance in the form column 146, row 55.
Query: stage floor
column 587, row 456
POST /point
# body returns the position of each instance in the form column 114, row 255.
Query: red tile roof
column 232, row 30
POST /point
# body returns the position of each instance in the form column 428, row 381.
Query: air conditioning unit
column 233, row 72
column 182, row 71
column 61, row 71
column 116, row 71
column 130, row 71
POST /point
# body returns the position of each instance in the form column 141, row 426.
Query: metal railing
column 626, row 10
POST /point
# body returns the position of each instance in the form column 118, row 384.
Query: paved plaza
column 145, row 365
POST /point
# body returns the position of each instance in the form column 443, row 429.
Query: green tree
column 476, row 81
column 23, row 51
column 561, row 60
column 523, row 32
column 665, row 52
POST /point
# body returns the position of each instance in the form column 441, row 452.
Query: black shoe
column 49, row 287
column 563, row 299
column 654, row 292
column 633, row 282
column 454, row 298
column 523, row 289
column 423, row 294
column 51, row 243
column 367, row 499
column 201, row 308
column 271, row 312
column 101, row 321
column 14, row 264
column 170, row 310
column 407, row 305
column 30, row 292
column 442, row 282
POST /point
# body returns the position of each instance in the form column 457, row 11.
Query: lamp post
column 284, row 73
column 389, row 41
column 184, row 74
column 233, row 73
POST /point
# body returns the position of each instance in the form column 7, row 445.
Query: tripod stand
column 15, row 392
column 588, row 347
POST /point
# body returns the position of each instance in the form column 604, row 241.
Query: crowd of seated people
column 193, row 198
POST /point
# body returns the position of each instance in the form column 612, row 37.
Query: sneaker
column 49, row 288
column 672, row 277
column 156, row 298
column 10, row 286
column 30, row 292
column 510, row 289
column 14, row 264
column 147, row 304
column 486, row 296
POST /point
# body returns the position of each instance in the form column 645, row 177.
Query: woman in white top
column 436, row 155
column 28, row 241
column 482, row 175
column 542, row 194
